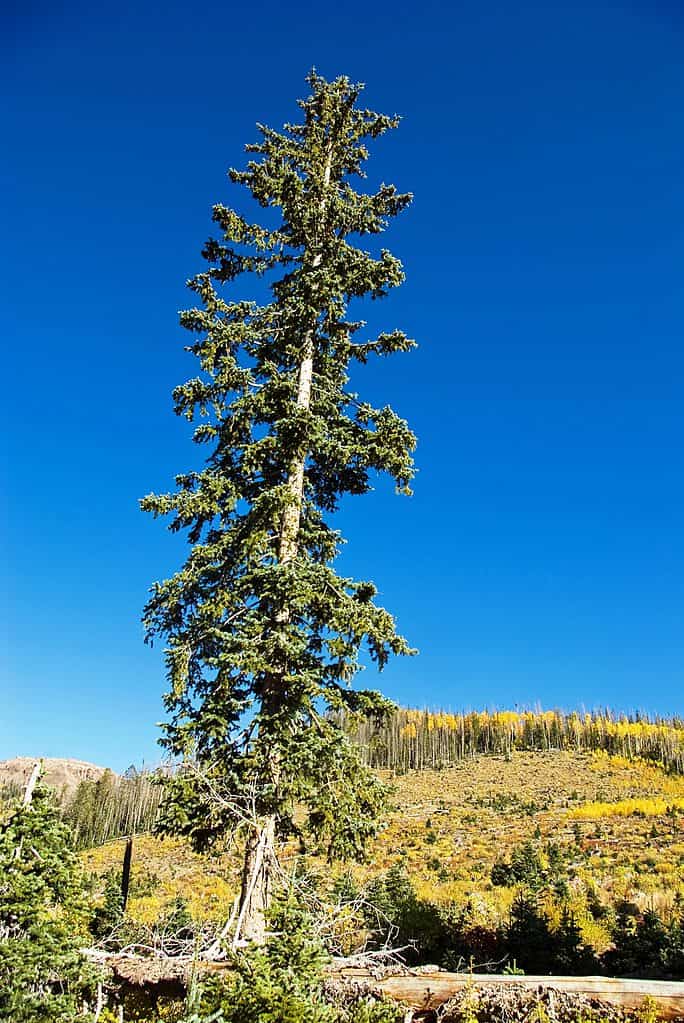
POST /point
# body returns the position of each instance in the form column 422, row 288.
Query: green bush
column 644, row 945
column 109, row 914
column 283, row 982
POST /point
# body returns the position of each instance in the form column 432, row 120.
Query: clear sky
column 542, row 556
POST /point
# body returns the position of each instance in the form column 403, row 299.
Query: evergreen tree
column 640, row 943
column 527, row 937
column 281, row 982
column 285, row 983
column 526, row 866
column 42, row 916
column 570, row 954
column 109, row 914
column 673, row 957
column 262, row 633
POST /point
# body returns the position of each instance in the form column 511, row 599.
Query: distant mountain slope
column 61, row 774
column 618, row 826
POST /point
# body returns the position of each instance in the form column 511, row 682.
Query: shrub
column 109, row 914
column 283, row 982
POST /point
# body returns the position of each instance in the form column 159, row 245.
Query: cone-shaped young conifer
column 262, row 632
column 43, row 916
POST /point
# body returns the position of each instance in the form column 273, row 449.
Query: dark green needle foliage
column 109, row 914
column 43, row 916
column 285, row 982
column 263, row 635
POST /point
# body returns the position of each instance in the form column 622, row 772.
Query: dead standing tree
column 259, row 626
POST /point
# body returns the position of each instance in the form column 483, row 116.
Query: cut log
column 428, row 991
column 420, row 990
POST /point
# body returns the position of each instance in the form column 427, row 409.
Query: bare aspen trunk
column 260, row 852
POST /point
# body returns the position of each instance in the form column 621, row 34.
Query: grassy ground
column 619, row 822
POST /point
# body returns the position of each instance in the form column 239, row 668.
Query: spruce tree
column 43, row 916
column 570, row 954
column 527, row 937
column 263, row 635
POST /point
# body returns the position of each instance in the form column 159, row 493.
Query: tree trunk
column 126, row 873
column 28, row 796
column 257, row 882
column 260, row 852
column 31, row 784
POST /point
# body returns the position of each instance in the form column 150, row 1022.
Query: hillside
column 603, row 829
column 585, row 838
column 63, row 775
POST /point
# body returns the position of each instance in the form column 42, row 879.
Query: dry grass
column 449, row 827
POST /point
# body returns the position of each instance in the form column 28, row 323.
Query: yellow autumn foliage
column 627, row 808
column 412, row 738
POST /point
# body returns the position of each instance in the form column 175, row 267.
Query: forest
column 405, row 740
column 419, row 739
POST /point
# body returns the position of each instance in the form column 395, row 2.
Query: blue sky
column 541, row 558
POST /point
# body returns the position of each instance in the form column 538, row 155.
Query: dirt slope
column 61, row 774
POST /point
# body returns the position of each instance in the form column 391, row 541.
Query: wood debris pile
column 517, row 1004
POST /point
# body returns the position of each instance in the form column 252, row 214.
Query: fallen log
column 421, row 990
column 429, row 991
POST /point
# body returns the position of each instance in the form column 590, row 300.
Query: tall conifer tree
column 262, row 633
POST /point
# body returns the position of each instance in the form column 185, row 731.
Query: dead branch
column 35, row 775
